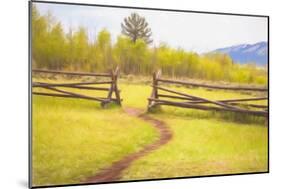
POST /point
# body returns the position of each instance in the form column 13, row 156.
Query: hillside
column 245, row 53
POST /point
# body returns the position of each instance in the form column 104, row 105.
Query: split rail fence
column 59, row 89
column 166, row 96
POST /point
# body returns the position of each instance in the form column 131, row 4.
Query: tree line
column 52, row 48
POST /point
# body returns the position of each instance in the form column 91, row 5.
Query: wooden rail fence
column 175, row 98
column 110, row 79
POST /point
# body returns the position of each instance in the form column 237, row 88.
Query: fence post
column 154, row 93
column 109, row 95
column 155, row 84
column 113, row 88
column 116, row 90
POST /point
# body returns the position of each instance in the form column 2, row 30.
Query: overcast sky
column 191, row 31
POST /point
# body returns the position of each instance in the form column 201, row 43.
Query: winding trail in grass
column 113, row 173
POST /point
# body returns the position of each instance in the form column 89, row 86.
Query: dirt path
column 113, row 173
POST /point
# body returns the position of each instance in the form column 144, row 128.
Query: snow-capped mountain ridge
column 247, row 53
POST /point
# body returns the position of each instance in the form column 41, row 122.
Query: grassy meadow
column 73, row 139
column 204, row 142
column 204, row 146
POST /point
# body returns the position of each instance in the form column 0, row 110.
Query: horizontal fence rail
column 59, row 89
column 45, row 85
column 172, row 97
column 211, row 86
column 72, row 73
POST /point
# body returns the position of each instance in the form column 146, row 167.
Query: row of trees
column 73, row 50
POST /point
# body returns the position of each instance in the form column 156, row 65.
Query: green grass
column 74, row 139
column 204, row 142
column 204, row 147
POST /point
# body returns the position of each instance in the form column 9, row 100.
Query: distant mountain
column 246, row 53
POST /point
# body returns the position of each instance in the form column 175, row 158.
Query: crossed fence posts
column 160, row 95
column 171, row 97
column 59, row 89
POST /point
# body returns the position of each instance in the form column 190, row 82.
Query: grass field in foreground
column 204, row 142
column 74, row 139
column 204, row 147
